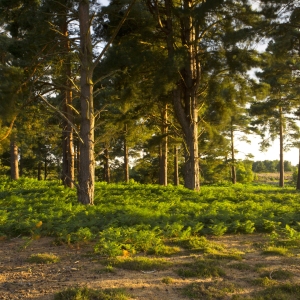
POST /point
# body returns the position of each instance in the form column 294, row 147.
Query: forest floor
column 79, row 267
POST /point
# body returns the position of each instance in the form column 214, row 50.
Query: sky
column 271, row 154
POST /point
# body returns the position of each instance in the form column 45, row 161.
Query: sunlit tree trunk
column 164, row 148
column 185, row 94
column 86, row 176
column 176, row 172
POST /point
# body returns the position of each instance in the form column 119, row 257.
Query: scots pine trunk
column 126, row 157
column 106, row 166
column 176, row 173
column 14, row 161
column 233, row 169
column 185, row 93
column 86, row 176
column 68, row 164
column 45, row 168
column 281, row 160
column 163, row 172
column 298, row 177
column 39, row 175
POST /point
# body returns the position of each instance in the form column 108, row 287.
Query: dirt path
column 20, row 279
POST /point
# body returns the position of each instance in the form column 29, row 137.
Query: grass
column 201, row 268
column 241, row 266
column 167, row 280
column 275, row 250
column 140, row 263
column 286, row 291
column 264, row 282
column 43, row 258
column 231, row 254
column 210, row 290
column 85, row 293
column 281, row 274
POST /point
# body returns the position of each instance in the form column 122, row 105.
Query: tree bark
column 39, row 175
column 86, row 176
column 176, row 173
column 45, row 168
column 68, row 164
column 233, row 169
column 21, row 162
column 281, row 160
column 106, row 166
column 185, row 94
column 298, row 177
column 164, row 148
column 14, row 160
column 126, row 157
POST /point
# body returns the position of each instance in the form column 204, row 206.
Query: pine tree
column 203, row 41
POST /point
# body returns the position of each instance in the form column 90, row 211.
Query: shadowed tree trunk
column 14, row 160
column 281, row 161
column 106, row 166
column 45, row 168
column 126, row 157
column 68, row 166
column 39, row 175
column 298, row 177
column 233, row 169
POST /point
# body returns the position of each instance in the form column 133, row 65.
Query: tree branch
column 9, row 129
column 114, row 34
column 62, row 115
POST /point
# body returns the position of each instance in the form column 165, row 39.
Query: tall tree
column 276, row 113
column 203, row 39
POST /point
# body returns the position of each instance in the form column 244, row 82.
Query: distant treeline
column 270, row 166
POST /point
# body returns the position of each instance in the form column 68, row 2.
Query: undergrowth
column 148, row 218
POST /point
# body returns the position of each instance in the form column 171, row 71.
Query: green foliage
column 147, row 218
column 114, row 240
column 244, row 172
column 270, row 166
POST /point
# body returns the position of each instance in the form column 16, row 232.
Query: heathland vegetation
column 139, row 227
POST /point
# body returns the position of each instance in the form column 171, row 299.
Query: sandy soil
column 20, row 279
